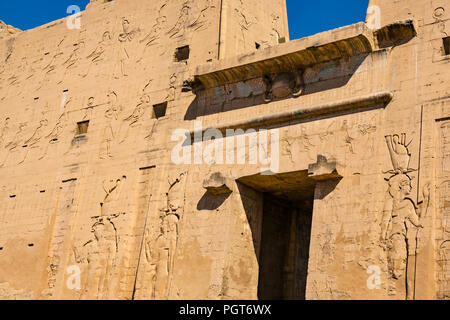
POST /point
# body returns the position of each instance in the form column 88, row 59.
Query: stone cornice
column 347, row 41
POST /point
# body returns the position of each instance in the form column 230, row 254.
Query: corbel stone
column 323, row 170
column 217, row 184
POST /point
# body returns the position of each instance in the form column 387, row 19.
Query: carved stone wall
column 359, row 125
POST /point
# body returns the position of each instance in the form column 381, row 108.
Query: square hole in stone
column 160, row 109
column 182, row 54
column 446, row 46
column 82, row 127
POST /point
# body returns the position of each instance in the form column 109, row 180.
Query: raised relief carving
column 401, row 218
column 283, row 85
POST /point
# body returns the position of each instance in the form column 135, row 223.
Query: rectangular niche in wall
column 446, row 46
column 82, row 127
column 182, row 54
column 160, row 110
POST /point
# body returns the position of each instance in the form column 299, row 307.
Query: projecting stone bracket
column 396, row 33
column 217, row 184
column 323, row 170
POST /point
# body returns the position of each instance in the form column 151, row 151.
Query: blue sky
column 306, row 17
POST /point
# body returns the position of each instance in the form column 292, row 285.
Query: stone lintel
column 375, row 100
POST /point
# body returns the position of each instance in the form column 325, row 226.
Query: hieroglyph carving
column 445, row 140
column 245, row 21
column 401, row 217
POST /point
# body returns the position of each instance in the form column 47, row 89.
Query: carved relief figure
column 52, row 64
column 179, row 29
column 161, row 252
column 110, row 130
column 99, row 54
column 5, row 132
column 100, row 254
column 15, row 142
column 135, row 119
column 33, row 141
column 72, row 60
column 202, row 22
column 367, row 131
column 89, row 109
column 125, row 39
column 401, row 218
column 163, row 256
column 245, row 21
column 306, row 143
column 275, row 34
column 349, row 141
column 153, row 37
column 444, row 242
column 55, row 134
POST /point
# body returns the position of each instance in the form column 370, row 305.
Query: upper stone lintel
column 323, row 47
